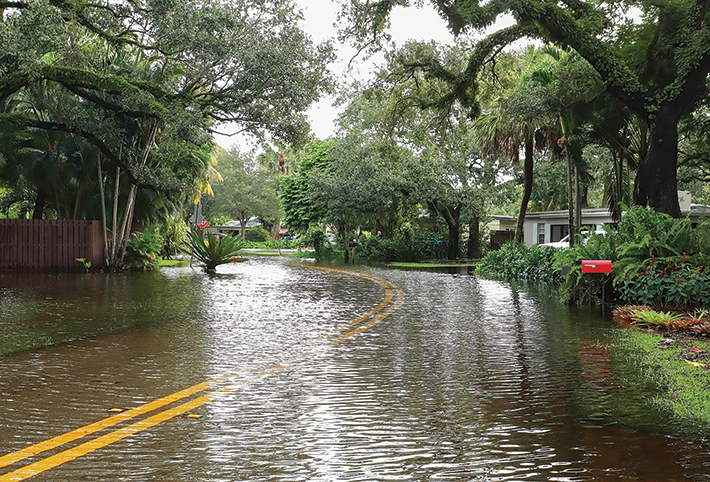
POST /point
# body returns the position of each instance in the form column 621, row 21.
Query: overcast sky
column 320, row 17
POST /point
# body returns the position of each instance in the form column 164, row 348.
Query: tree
column 446, row 171
column 247, row 189
column 147, row 83
column 294, row 189
column 521, row 119
column 657, row 67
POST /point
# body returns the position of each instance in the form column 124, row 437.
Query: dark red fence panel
column 50, row 245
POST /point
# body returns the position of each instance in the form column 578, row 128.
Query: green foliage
column 317, row 239
column 257, row 234
column 655, row 318
column 656, row 260
column 294, row 189
column 643, row 232
column 174, row 234
column 409, row 245
column 576, row 284
column 665, row 281
column 522, row 263
column 247, row 189
column 271, row 244
column 142, row 250
column 211, row 251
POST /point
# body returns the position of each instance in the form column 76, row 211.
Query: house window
column 540, row 233
column 558, row 231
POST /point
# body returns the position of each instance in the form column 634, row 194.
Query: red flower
column 677, row 281
column 653, row 257
column 665, row 270
column 676, row 267
column 644, row 286
column 684, row 257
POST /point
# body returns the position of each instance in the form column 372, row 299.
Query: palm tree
column 518, row 123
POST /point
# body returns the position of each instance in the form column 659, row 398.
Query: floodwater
column 444, row 378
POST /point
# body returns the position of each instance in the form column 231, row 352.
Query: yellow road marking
column 87, row 447
column 377, row 314
column 105, row 423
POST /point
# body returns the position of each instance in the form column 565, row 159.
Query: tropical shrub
column 535, row 263
column 213, row 252
column 142, row 249
column 409, row 245
column 666, row 281
column 257, row 234
column 174, row 234
column 624, row 314
column 319, row 241
column 271, row 244
column 651, row 317
column 576, row 284
column 693, row 323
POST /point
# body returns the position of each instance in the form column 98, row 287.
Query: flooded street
column 325, row 375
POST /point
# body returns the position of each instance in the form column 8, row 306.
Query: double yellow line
column 393, row 298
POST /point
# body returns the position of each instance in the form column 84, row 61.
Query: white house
column 551, row 226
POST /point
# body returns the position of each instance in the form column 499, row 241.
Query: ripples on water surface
column 468, row 380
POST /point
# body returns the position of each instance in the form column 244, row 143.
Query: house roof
column 563, row 214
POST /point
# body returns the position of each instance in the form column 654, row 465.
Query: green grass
column 261, row 253
column 176, row 263
column 681, row 370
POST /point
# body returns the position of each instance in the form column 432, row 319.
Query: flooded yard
column 352, row 374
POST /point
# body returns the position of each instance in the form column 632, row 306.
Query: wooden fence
column 50, row 245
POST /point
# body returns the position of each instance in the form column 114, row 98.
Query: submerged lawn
column 680, row 366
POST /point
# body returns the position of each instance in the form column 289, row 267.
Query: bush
column 174, row 235
column 321, row 245
column 409, row 246
column 666, row 281
column 142, row 250
column 522, row 263
column 576, row 284
column 257, row 234
column 270, row 244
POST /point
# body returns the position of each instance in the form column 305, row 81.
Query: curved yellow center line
column 377, row 314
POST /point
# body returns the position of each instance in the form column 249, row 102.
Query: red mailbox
column 596, row 266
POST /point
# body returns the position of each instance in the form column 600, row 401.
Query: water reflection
column 469, row 379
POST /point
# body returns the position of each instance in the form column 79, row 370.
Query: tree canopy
column 146, row 83
column 655, row 64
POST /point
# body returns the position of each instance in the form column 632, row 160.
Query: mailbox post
column 596, row 266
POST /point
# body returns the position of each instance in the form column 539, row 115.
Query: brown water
column 468, row 379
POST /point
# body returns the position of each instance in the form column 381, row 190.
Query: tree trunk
column 452, row 250
column 527, row 190
column 103, row 210
column 473, row 250
column 39, row 204
column 243, row 224
column 342, row 231
column 570, row 200
column 577, row 200
column 656, row 182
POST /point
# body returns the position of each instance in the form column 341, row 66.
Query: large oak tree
column 657, row 65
